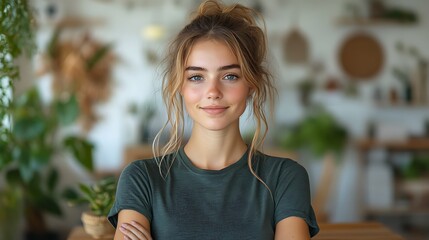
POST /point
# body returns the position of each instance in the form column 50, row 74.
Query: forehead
column 211, row 51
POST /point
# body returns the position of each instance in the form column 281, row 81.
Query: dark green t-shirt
column 192, row 203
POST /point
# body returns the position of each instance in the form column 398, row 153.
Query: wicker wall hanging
column 82, row 68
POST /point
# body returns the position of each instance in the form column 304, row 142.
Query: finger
column 142, row 229
column 132, row 232
column 128, row 235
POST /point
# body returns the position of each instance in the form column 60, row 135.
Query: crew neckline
column 188, row 163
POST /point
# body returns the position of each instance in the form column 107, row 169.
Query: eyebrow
column 223, row 68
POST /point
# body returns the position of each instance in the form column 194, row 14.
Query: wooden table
column 328, row 231
column 78, row 233
column 355, row 231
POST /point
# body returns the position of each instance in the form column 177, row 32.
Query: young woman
column 215, row 186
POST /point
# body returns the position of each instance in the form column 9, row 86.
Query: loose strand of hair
column 255, row 144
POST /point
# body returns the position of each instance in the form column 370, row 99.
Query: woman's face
column 214, row 91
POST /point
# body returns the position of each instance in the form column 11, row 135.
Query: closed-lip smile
column 214, row 109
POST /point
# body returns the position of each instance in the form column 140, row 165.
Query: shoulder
column 148, row 167
column 279, row 167
column 277, row 162
column 140, row 166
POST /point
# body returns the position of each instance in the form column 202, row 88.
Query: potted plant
column 413, row 180
column 319, row 133
column 99, row 197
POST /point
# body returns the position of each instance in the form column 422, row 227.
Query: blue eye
column 195, row 78
column 230, row 77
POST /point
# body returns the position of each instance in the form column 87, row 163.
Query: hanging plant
column 82, row 68
column 28, row 139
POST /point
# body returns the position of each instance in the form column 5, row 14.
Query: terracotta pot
column 97, row 226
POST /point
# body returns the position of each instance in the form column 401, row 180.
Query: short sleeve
column 133, row 192
column 292, row 196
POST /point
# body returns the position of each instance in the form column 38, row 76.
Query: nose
column 214, row 91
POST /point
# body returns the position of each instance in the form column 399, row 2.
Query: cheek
column 190, row 95
column 240, row 94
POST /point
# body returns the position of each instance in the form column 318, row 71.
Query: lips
column 214, row 110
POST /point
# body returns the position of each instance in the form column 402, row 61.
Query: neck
column 215, row 150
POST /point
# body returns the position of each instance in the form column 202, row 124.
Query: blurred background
column 80, row 93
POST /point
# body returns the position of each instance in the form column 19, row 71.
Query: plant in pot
column 413, row 180
column 99, row 198
column 321, row 136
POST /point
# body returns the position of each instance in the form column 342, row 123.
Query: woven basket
column 97, row 226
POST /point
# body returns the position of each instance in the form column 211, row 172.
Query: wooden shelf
column 355, row 231
column 412, row 144
column 397, row 211
column 371, row 22
column 78, row 233
column 421, row 106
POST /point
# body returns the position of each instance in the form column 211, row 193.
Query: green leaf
column 51, row 48
column 26, row 169
column 52, row 180
column 13, row 177
column 81, row 150
column 70, row 194
column 30, row 98
column 72, row 197
column 29, row 127
column 98, row 55
column 107, row 182
column 16, row 27
column 41, row 155
column 50, row 204
column 5, row 156
column 67, row 110
column 86, row 190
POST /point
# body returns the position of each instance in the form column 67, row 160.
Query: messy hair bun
column 234, row 11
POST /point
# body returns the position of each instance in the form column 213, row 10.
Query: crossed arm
column 135, row 226
column 132, row 225
column 292, row 228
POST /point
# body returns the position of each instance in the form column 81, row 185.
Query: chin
column 216, row 126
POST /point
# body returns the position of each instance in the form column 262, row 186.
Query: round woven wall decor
column 361, row 56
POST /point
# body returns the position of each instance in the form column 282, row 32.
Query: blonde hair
column 235, row 25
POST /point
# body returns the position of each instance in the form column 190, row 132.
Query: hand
column 134, row 231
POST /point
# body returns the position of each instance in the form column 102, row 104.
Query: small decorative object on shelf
column 410, row 85
column 426, row 127
column 376, row 9
column 414, row 78
column 376, row 12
